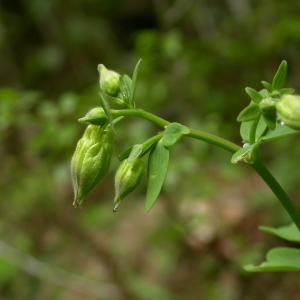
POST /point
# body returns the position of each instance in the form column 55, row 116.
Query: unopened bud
column 288, row 111
column 110, row 83
column 91, row 161
column 127, row 179
column 96, row 116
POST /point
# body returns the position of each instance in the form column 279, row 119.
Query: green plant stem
column 229, row 146
column 278, row 191
column 253, row 131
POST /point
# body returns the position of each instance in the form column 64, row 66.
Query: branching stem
column 229, row 146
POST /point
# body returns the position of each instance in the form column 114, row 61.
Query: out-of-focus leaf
column 290, row 232
column 278, row 259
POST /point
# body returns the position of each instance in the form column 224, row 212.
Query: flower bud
column 96, row 116
column 110, row 83
column 127, row 179
column 288, row 111
column 91, row 161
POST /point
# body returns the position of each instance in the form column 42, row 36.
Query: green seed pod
column 110, row 83
column 288, row 111
column 91, row 161
column 127, row 179
column 96, row 116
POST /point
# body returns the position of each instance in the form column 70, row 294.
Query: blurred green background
column 198, row 56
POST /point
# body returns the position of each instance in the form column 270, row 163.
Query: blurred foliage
column 198, row 56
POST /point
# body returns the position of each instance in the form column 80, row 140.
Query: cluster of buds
column 91, row 160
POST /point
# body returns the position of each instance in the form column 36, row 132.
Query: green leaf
column 287, row 91
column 128, row 82
column 125, row 90
column 246, row 128
column 290, row 232
column 135, row 153
column 268, row 86
column 134, row 78
column 264, row 93
column 281, row 131
column 245, row 154
column 279, row 78
column 157, row 171
column 270, row 120
column 105, row 105
column 254, row 95
column 251, row 112
column 173, row 133
column 278, row 259
column 125, row 154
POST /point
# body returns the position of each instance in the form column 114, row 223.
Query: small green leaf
column 135, row 153
column 290, row 232
column 279, row 78
column 125, row 90
column 105, row 106
column 125, row 154
column 246, row 128
column 128, row 82
column 173, row 133
column 270, row 121
column 251, row 112
column 287, row 91
column 264, row 93
column 157, row 171
column 245, row 154
column 280, row 132
column 134, row 78
column 254, row 95
column 268, row 86
column 278, row 259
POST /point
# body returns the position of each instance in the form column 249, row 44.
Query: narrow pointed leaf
column 279, row 78
column 290, row 232
column 157, row 171
column 135, row 153
column 173, row 133
column 134, row 78
column 251, row 112
column 105, row 105
column 278, row 259
column 268, row 86
column 254, row 95
column 125, row 90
